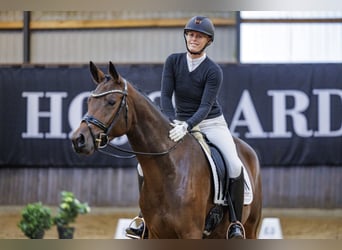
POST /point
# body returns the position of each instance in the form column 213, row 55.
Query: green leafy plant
column 69, row 208
column 36, row 218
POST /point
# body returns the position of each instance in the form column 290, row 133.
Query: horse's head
column 107, row 112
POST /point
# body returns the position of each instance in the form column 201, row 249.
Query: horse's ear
column 113, row 72
column 97, row 74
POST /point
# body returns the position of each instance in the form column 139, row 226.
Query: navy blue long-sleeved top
column 196, row 92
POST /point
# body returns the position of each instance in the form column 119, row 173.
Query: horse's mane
column 153, row 104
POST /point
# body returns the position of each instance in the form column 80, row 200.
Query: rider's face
column 196, row 40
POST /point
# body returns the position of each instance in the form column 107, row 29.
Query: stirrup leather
column 137, row 220
column 242, row 228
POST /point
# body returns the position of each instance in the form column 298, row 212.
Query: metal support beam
column 238, row 36
column 27, row 37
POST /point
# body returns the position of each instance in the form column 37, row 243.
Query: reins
column 135, row 153
column 102, row 140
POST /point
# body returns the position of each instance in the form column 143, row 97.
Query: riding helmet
column 201, row 24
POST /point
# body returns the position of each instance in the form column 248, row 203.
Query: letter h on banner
column 33, row 115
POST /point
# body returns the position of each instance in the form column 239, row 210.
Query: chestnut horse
column 177, row 193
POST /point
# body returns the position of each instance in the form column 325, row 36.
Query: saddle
column 221, row 179
column 220, row 172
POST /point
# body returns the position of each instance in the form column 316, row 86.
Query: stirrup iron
column 135, row 220
column 241, row 226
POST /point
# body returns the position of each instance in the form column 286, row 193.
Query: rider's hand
column 179, row 130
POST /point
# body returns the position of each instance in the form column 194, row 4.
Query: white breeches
column 218, row 133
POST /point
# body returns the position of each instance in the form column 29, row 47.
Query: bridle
column 102, row 140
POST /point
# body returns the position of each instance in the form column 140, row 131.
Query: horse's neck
column 149, row 129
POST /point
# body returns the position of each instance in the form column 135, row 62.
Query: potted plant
column 68, row 210
column 36, row 218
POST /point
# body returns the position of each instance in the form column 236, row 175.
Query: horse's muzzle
column 78, row 143
column 82, row 143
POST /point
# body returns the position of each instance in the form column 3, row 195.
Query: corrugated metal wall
column 143, row 45
column 11, row 41
column 11, row 47
column 292, row 187
column 123, row 15
column 129, row 45
column 260, row 42
column 98, row 186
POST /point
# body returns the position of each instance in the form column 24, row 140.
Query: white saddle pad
column 218, row 198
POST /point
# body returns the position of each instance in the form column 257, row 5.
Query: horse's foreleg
column 181, row 234
column 194, row 234
column 190, row 229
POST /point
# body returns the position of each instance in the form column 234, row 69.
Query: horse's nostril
column 79, row 142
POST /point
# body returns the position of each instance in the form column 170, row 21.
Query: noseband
column 102, row 140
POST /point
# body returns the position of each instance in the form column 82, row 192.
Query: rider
column 195, row 81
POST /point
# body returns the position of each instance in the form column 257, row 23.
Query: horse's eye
column 111, row 102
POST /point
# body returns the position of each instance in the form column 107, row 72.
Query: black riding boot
column 140, row 231
column 236, row 190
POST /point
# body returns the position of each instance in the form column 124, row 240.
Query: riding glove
column 179, row 130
